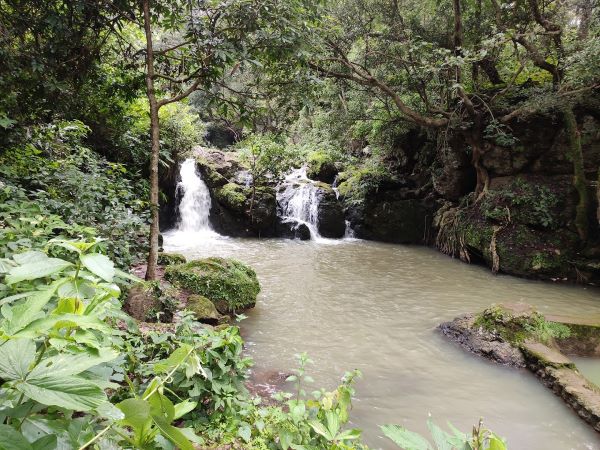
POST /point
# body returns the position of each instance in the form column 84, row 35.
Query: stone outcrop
column 519, row 336
column 331, row 221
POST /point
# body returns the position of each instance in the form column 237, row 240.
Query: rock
column 233, row 212
column 292, row 230
column 482, row 342
column 204, row 310
column 220, row 135
column 324, row 170
column 229, row 284
column 148, row 301
column 454, row 175
column 168, row 259
column 381, row 218
column 331, row 221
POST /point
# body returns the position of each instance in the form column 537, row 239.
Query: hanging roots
column 450, row 238
column 493, row 252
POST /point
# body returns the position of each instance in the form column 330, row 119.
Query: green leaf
column 16, row 355
column 403, row 438
column 126, row 276
column 66, row 392
column 67, row 364
column 35, row 270
column 349, row 434
column 30, row 257
column 137, row 413
column 48, row 442
column 186, row 406
column 99, row 265
column 24, row 313
column 40, row 326
column 440, row 437
column 321, row 429
column 176, row 358
column 11, row 439
column 496, row 443
column 172, row 434
column 245, row 433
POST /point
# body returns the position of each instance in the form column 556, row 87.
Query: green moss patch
column 229, row 284
column 232, row 195
column 168, row 259
column 204, row 310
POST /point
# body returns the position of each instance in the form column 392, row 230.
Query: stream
column 353, row 304
column 375, row 307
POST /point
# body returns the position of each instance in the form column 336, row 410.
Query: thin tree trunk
column 154, row 132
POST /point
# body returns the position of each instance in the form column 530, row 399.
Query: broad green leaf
column 69, row 305
column 127, row 276
column 440, row 438
column 35, row 270
column 30, row 257
column 47, row 442
column 333, row 423
column 171, row 433
column 245, row 432
column 161, row 405
column 11, row 439
column 495, row 443
column 137, row 413
column 405, row 439
column 66, row 392
column 100, row 265
column 41, row 326
column 184, row 407
column 176, row 358
column 24, row 313
column 67, row 364
column 349, row 434
column 16, row 355
column 321, row 429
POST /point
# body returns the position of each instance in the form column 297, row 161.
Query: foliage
column 167, row 259
column 523, row 202
column 228, row 283
column 480, row 439
column 357, row 182
column 62, row 176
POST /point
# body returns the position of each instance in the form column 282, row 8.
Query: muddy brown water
column 375, row 307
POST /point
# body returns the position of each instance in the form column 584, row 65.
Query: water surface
column 375, row 307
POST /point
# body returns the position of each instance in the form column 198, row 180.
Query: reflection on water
column 589, row 368
column 375, row 307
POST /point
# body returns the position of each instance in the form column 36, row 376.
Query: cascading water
column 298, row 200
column 194, row 203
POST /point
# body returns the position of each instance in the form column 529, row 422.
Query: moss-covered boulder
column 168, row 259
column 229, row 284
column 148, row 301
column 204, row 310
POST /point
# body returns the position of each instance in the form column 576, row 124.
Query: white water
column 299, row 201
column 194, row 203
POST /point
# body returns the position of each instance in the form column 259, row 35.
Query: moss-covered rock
column 204, row 310
column 168, row 259
column 229, row 284
column 148, row 301
column 232, row 196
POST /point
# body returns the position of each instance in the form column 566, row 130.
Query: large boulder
column 203, row 309
column 331, row 221
column 292, row 229
column 391, row 218
column 228, row 283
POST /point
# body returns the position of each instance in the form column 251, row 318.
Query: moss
column 517, row 326
column 228, row 283
column 168, row 259
column 204, row 310
column 150, row 302
column 232, row 195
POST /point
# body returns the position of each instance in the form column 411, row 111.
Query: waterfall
column 298, row 200
column 194, row 206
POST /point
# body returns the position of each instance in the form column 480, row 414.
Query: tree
column 202, row 43
column 413, row 57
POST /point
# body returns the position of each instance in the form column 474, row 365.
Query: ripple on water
column 375, row 307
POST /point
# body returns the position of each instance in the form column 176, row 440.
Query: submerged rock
column 228, row 283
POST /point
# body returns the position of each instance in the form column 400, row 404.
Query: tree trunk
column 154, row 133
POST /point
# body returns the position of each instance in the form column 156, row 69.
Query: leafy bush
column 62, row 177
column 357, row 182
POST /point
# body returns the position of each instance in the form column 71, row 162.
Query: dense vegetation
column 101, row 101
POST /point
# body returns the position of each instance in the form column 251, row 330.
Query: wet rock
column 392, row 219
column 204, row 310
column 331, row 221
column 324, row 171
column 482, row 342
column 292, row 229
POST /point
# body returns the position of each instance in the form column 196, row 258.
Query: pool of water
column 375, row 307
column 589, row 368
